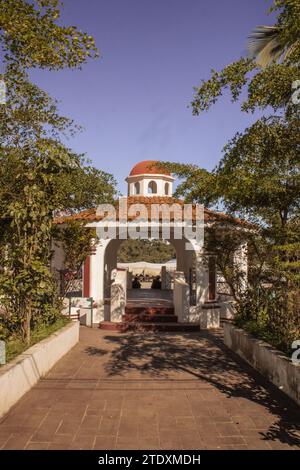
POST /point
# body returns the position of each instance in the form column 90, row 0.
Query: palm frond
column 264, row 45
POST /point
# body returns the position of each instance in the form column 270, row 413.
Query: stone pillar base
column 210, row 316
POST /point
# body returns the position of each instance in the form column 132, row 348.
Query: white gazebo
column 194, row 297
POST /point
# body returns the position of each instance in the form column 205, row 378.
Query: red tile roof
column 90, row 215
column 148, row 167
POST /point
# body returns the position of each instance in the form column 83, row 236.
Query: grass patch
column 15, row 346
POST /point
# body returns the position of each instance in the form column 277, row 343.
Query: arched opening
column 152, row 187
column 150, row 264
column 167, row 188
column 162, row 260
column 136, row 188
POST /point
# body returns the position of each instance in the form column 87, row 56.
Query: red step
column 154, row 327
column 149, row 318
column 112, row 326
column 149, row 310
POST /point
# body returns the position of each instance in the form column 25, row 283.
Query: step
column 112, row 326
column 149, row 318
column 149, row 310
column 154, row 327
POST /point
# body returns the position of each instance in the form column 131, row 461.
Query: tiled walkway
column 168, row 391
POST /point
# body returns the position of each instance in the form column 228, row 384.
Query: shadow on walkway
column 205, row 357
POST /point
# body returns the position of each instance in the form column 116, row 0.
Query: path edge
column 271, row 363
column 22, row 373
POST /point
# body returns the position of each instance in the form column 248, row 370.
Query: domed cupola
column 147, row 179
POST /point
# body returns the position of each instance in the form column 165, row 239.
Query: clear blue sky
column 133, row 101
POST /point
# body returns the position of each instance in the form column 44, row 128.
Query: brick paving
column 151, row 391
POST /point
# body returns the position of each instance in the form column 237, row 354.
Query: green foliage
column 270, row 86
column 31, row 35
column 288, row 24
column 226, row 242
column 270, row 44
column 258, row 178
column 27, row 286
column 152, row 251
column 83, row 187
column 15, row 345
column 39, row 175
column 265, row 162
column 271, row 313
column 77, row 241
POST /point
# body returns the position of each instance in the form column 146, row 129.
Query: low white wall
column 17, row 377
column 270, row 362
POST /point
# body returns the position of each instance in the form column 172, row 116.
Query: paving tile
column 64, row 438
column 208, row 429
column 231, row 440
column 166, row 443
column 83, row 441
column 90, row 422
column 17, row 442
column 278, row 445
column 118, row 399
column 257, row 444
column 105, row 443
column 57, row 446
column 37, row 446
column 128, row 428
column 4, row 439
column 68, row 427
column 228, row 429
column 148, row 443
column 109, row 426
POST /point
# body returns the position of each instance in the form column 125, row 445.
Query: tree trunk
column 26, row 330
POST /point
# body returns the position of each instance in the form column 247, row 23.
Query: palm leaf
column 264, row 45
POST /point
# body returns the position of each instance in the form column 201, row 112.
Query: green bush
column 15, row 345
column 271, row 314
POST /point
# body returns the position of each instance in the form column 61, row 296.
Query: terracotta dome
column 148, row 167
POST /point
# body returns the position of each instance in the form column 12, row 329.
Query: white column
column 144, row 187
column 97, row 279
column 181, row 299
column 202, row 278
column 160, row 187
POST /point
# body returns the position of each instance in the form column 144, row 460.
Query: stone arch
column 184, row 264
column 152, row 187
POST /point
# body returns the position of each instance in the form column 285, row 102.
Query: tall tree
column 31, row 35
column 258, row 176
column 267, row 87
column 269, row 44
column 37, row 170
